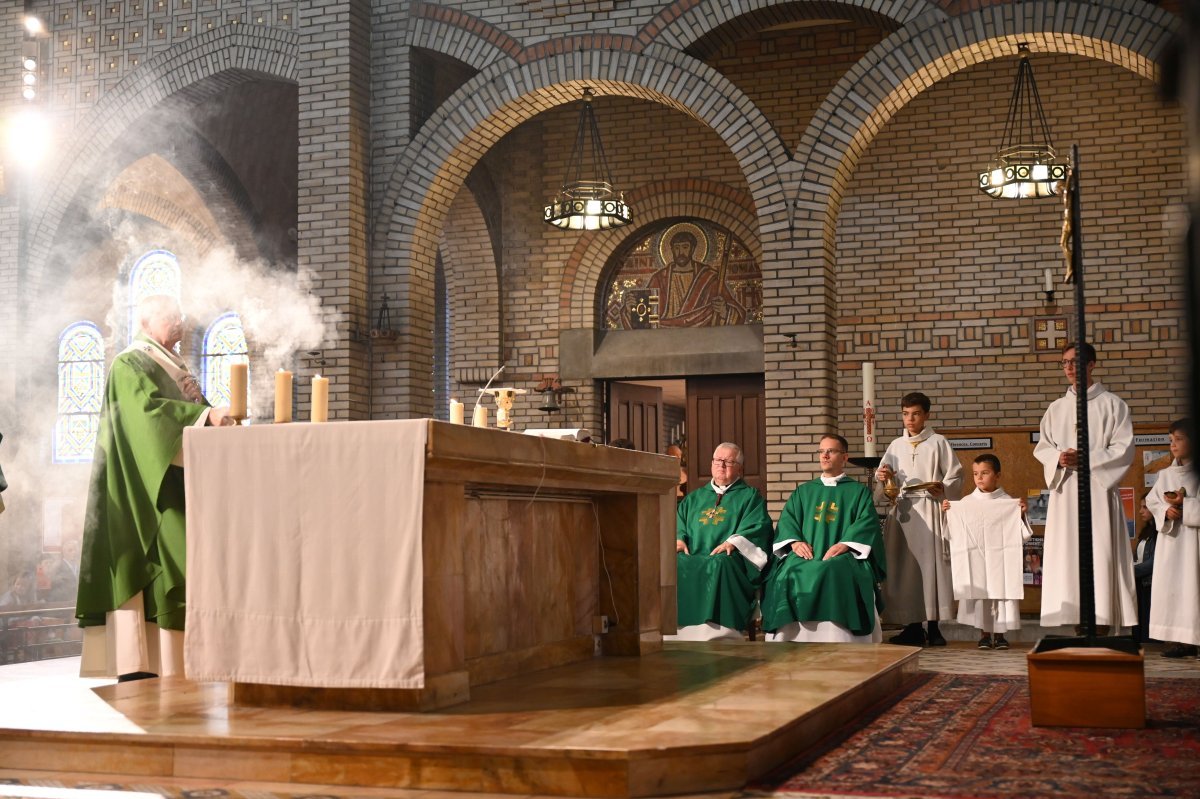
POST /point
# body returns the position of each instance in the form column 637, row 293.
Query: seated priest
column 827, row 559
column 723, row 533
column 131, row 575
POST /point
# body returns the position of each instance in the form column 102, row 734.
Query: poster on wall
column 1038, row 501
column 1033, row 562
column 1129, row 505
column 1153, row 462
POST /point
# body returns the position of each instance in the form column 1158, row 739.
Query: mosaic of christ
column 685, row 274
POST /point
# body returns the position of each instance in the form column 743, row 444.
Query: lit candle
column 868, row 372
column 283, row 396
column 480, row 417
column 320, row 399
column 1049, row 280
column 238, row 373
column 456, row 412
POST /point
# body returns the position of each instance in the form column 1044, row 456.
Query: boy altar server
column 925, row 468
column 828, row 559
column 986, row 530
column 1110, row 452
column 1175, row 590
column 722, row 533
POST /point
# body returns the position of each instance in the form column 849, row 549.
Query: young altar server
column 986, row 530
column 1175, row 590
column 722, row 536
column 926, row 470
column 828, row 559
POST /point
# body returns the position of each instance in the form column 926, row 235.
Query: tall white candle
column 1049, row 280
column 868, row 372
column 480, row 417
column 456, row 412
column 320, row 399
column 283, row 396
column 238, row 374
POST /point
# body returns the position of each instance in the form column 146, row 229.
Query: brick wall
column 938, row 284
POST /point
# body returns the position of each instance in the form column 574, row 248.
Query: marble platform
column 691, row 718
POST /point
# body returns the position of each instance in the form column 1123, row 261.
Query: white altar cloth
column 304, row 554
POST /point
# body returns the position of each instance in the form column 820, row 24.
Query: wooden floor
column 694, row 718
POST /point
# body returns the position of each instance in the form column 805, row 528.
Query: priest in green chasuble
column 723, row 533
column 827, row 558
column 131, row 575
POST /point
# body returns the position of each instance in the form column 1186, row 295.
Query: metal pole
column 1087, row 581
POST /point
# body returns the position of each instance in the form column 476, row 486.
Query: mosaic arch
column 692, row 273
column 80, row 392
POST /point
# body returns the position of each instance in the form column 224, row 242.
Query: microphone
column 487, row 386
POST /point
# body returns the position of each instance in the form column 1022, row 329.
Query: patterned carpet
column 959, row 736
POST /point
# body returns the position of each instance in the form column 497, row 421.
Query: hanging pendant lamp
column 1025, row 166
column 587, row 199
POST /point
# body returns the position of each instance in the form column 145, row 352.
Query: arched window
column 156, row 272
column 224, row 344
column 80, row 392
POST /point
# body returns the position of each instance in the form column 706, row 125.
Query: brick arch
column 437, row 161
column 701, row 27
column 586, row 270
column 460, row 35
column 184, row 74
column 908, row 62
column 933, row 48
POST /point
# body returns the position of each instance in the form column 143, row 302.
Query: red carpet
column 960, row 736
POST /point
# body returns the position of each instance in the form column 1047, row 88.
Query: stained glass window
column 224, row 344
column 80, row 392
column 156, row 272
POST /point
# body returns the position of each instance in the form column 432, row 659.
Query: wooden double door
column 719, row 409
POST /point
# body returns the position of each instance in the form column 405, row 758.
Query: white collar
column 832, row 481
column 919, row 437
column 998, row 493
column 720, row 490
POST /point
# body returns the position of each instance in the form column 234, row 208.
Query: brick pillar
column 333, row 203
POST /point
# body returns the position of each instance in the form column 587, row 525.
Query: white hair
column 739, row 456
column 154, row 306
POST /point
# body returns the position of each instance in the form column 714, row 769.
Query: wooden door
column 727, row 408
column 635, row 412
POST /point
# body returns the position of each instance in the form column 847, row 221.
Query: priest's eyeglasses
column 830, row 451
column 1065, row 363
column 726, row 464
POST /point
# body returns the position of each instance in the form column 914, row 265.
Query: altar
column 396, row 564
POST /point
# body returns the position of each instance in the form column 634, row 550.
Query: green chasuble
column 133, row 536
column 841, row 589
column 719, row 588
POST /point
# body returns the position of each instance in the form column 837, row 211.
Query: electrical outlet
column 600, row 625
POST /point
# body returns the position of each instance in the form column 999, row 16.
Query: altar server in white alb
column 1110, row 434
column 987, row 529
column 1175, row 503
column 918, row 586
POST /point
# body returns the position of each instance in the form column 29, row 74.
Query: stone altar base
column 692, row 718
